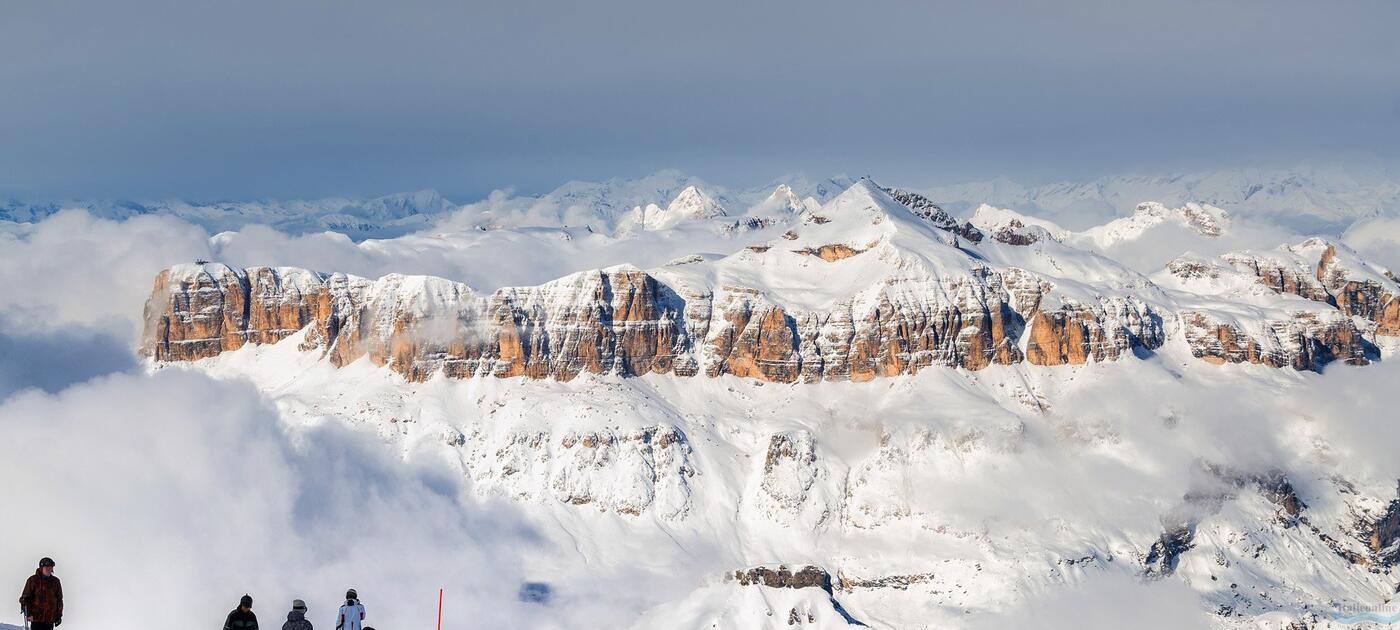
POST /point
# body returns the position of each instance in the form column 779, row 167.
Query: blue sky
column 256, row 98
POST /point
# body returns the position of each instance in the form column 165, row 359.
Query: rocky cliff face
column 1301, row 306
column 867, row 286
column 624, row 321
column 1304, row 342
column 782, row 577
column 1322, row 271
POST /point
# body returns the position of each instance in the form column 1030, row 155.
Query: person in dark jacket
column 296, row 620
column 42, row 599
column 242, row 618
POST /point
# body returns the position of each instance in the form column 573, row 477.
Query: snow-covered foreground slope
column 938, row 500
column 879, row 415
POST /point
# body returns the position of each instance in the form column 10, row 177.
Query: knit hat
column 298, row 605
column 246, row 600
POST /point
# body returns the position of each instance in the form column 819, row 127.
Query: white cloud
column 73, row 268
column 1109, row 601
column 166, row 497
column 1377, row 238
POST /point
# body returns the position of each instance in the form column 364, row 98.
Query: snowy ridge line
column 877, row 282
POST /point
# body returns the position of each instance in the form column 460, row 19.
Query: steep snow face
column 689, row 204
column 785, row 200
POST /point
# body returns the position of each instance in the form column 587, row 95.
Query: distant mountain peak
column 692, row 203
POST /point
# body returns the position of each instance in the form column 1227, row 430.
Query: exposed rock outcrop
column 614, row 321
column 1322, row 271
column 1305, row 342
column 1276, row 487
column 782, row 577
column 1381, row 534
column 789, row 488
column 627, row 472
column 1163, row 556
column 896, row 582
column 1074, row 335
column 936, row 216
column 1019, row 234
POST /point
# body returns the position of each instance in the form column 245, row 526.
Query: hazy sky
column 295, row 98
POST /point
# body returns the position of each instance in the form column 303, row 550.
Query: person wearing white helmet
column 352, row 613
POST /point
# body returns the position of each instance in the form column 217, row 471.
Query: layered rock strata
column 624, row 321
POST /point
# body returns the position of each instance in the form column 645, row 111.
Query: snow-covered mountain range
column 812, row 406
column 1312, row 200
column 1306, row 199
column 380, row 217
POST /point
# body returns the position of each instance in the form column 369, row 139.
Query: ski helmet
column 351, row 594
column 46, row 562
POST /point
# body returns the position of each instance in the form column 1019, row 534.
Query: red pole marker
column 439, row 609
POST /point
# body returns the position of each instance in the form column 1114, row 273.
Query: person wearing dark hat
column 242, row 618
column 42, row 599
column 296, row 620
column 352, row 612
